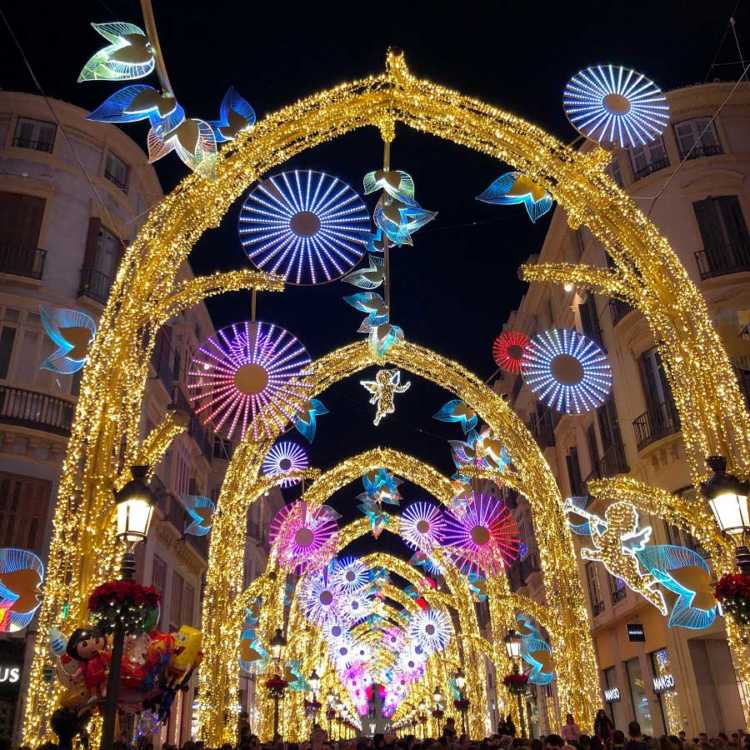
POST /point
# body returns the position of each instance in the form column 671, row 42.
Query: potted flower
column 733, row 591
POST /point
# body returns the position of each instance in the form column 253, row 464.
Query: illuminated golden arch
column 105, row 433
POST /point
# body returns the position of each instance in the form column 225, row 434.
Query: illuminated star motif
column 235, row 115
column 306, row 421
column 431, row 628
column 370, row 277
column 457, row 411
column 246, row 373
column 307, row 226
column 285, row 457
column 129, row 55
column 387, row 383
column 304, row 539
column 515, row 187
column 421, row 526
column 72, row 332
column 193, row 141
column 201, row 511
column 508, row 349
column 567, row 370
column 320, row 599
column 613, row 104
column 21, row 576
column 349, row 574
column 485, row 538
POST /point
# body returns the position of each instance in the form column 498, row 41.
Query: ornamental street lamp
column 134, row 511
column 462, row 704
column 423, row 718
column 277, row 684
column 727, row 497
column 313, row 707
column 513, row 649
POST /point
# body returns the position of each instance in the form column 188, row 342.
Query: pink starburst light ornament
column 305, row 539
column 485, row 538
column 249, row 373
column 422, row 526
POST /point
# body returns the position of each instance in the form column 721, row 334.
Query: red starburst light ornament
column 305, row 539
column 508, row 349
column 485, row 538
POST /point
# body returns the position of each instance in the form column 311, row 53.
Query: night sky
column 453, row 290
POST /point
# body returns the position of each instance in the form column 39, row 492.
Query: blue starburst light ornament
column 567, row 370
column 284, row 458
column 513, row 188
column 201, row 511
column 235, row 115
column 305, row 422
column 130, row 54
column 72, row 332
column 613, row 104
column 309, row 227
column 349, row 574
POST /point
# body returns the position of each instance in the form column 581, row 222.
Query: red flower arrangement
column 461, row 704
column 733, row 591
column 516, row 682
column 276, row 684
column 122, row 592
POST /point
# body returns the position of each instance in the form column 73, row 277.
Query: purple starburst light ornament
column 247, row 373
column 422, row 526
column 485, row 538
column 350, row 574
column 305, row 539
column 319, row 599
column 286, row 457
column 431, row 628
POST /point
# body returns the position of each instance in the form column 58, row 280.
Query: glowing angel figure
column 684, row 572
column 193, row 140
column 201, row 511
column 370, row 277
column 235, row 116
column 130, row 54
column 304, row 538
column 431, row 628
column 386, row 385
column 305, row 422
column 421, row 526
column 350, row 574
column 21, row 576
column 457, row 411
column 536, row 652
column 72, row 331
column 617, row 539
column 137, row 102
column 515, row 187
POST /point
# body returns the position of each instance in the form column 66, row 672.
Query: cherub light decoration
column 72, row 332
column 386, row 385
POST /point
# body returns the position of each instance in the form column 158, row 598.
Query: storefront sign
column 662, row 683
column 10, row 673
column 612, row 695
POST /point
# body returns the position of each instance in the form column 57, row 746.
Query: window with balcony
column 726, row 242
column 7, row 337
column 660, row 418
column 100, row 262
column 697, row 137
column 20, row 226
column 595, row 591
column 574, row 473
column 590, row 319
column 38, row 135
column 24, row 503
column 612, row 461
column 116, row 171
column 648, row 158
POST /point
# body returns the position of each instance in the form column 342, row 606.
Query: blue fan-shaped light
column 566, row 370
column 350, row 574
column 613, row 104
column 309, row 227
column 285, row 457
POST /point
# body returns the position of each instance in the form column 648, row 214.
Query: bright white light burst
column 350, row 574
column 285, row 458
column 421, row 526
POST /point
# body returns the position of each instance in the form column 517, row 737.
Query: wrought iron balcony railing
column 22, row 261
column 36, row 410
column 656, row 423
column 719, row 261
column 95, row 284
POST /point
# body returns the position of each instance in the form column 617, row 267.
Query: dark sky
column 454, row 288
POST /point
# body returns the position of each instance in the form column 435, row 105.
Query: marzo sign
column 612, row 695
column 662, row 683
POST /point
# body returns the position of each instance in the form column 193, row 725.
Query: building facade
column 72, row 193
column 676, row 678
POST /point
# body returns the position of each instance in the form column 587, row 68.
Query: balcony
column 723, row 260
column 36, row 410
column 22, row 261
column 650, row 168
column 202, row 437
column 656, row 423
column 618, row 310
column 95, row 284
column 612, row 462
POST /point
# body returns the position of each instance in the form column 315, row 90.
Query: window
column 590, row 319
column 593, row 450
column 188, row 604
column 24, row 502
column 159, row 581
column 668, row 704
column 615, row 705
column 697, row 137
column 660, row 418
column 638, row 696
column 175, row 608
column 7, row 337
column 726, row 241
column 574, row 473
column 617, row 588
column 20, row 225
column 116, row 171
column 612, row 461
column 648, row 158
column 35, row 134
column 614, row 171
column 101, row 259
column 595, row 591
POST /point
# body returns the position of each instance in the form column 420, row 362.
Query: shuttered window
column 24, row 505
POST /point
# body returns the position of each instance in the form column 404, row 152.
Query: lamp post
column 277, row 684
column 513, row 649
column 423, row 718
column 314, row 706
column 438, row 712
column 134, row 510
column 727, row 498
column 462, row 704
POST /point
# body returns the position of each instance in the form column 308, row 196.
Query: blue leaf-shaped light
column 201, row 511
column 306, row 421
column 130, row 54
column 235, row 115
column 72, row 332
column 515, row 187
column 139, row 101
column 457, row 411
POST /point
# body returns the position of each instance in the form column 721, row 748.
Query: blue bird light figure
column 536, row 652
column 457, row 411
column 137, row 102
column 684, row 572
column 306, row 421
column 130, row 54
column 201, row 511
column 398, row 222
column 72, row 332
column 235, row 115
column 370, row 277
column 515, row 187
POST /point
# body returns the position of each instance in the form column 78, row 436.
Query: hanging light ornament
column 246, row 373
column 308, row 226
column 457, row 411
column 421, row 526
column 305, row 422
column 515, row 187
column 304, row 539
column 485, row 538
column 567, row 370
column 350, row 574
column 72, row 332
column 431, row 628
column 613, row 104
column 285, row 457
column 508, row 349
column 320, row 599
column 201, row 511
